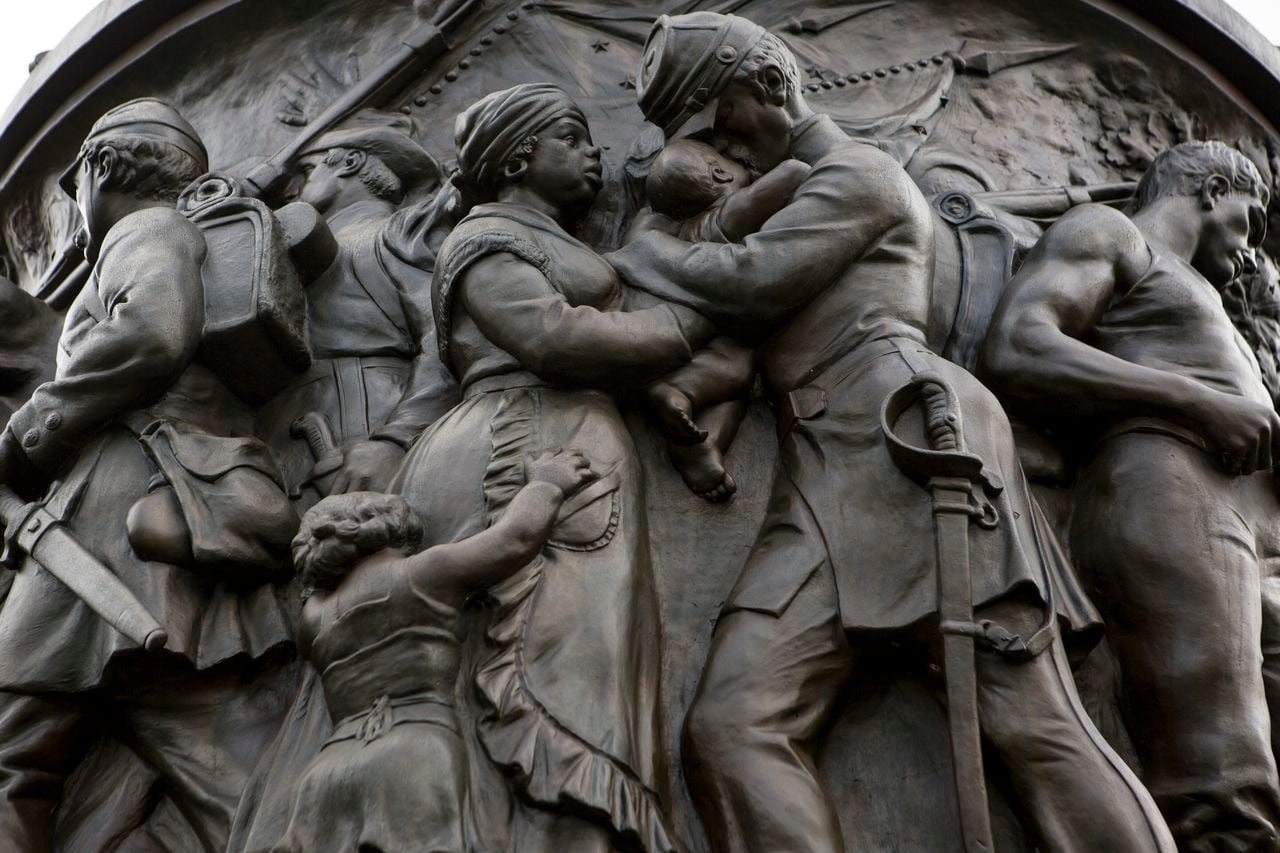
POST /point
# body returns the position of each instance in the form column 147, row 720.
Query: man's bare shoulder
column 1095, row 232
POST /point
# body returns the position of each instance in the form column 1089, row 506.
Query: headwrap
column 489, row 132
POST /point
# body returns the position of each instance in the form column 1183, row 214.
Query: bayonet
column 33, row 530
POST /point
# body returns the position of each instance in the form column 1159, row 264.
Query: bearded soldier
column 377, row 377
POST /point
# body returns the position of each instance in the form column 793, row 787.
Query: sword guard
column 14, row 515
column 944, row 454
column 156, row 640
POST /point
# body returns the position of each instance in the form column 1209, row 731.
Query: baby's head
column 690, row 176
column 341, row 529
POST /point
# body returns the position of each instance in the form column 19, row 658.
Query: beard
column 743, row 155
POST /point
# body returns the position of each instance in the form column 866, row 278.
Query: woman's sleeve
column 516, row 307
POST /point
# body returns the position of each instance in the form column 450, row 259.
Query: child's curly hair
column 341, row 529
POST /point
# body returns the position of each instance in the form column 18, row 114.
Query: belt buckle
column 806, row 403
column 798, row 405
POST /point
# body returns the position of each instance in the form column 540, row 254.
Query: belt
column 809, row 401
column 387, row 713
column 347, row 375
column 325, row 367
column 503, row 382
column 1153, row 426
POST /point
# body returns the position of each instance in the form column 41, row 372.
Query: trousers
column 202, row 731
column 1185, row 561
column 771, row 684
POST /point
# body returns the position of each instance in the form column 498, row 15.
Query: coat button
column 53, row 421
column 31, row 439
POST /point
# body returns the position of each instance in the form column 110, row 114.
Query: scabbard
column 48, row 543
column 952, row 514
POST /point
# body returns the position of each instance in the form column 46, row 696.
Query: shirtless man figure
column 1119, row 320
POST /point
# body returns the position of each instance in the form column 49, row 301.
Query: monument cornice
column 118, row 33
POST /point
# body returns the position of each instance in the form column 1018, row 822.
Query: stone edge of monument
column 72, row 70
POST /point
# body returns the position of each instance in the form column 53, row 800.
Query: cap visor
column 701, row 121
column 68, row 179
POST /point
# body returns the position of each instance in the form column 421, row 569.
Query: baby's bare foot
column 701, row 466
column 675, row 414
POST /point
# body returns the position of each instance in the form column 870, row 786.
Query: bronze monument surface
column 482, row 425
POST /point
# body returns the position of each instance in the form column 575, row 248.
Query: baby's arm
column 649, row 219
column 309, row 622
column 516, row 538
column 744, row 211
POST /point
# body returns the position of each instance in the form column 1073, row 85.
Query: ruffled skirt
column 568, row 685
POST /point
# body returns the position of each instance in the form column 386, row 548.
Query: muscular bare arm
column 1036, row 352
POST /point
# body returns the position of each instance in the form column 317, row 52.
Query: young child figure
column 380, row 626
column 701, row 196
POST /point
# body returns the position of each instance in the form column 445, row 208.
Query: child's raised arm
column 516, row 538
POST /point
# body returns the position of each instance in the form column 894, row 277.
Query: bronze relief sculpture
column 1122, row 316
column 700, row 426
column 836, row 284
column 160, row 477
column 529, row 319
column 380, row 624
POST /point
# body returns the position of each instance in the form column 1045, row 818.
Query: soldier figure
column 159, row 481
column 374, row 379
column 837, row 287
column 1117, row 322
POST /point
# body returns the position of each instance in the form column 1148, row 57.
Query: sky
column 30, row 28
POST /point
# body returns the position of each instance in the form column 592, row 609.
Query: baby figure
column 701, row 196
column 709, row 198
column 380, row 626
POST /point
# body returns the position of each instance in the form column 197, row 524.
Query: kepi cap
column 144, row 118
column 387, row 136
column 687, row 62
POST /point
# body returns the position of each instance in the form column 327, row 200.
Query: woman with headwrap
column 530, row 321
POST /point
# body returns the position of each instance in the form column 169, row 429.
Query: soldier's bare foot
column 675, row 414
column 701, row 466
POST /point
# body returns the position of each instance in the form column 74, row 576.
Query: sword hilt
column 11, row 506
column 315, row 429
column 13, row 513
column 941, row 421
